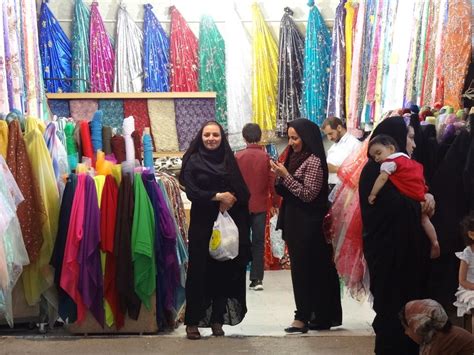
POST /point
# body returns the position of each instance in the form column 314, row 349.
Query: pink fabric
column 70, row 271
column 102, row 56
column 83, row 109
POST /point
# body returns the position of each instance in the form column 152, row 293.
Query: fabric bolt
column 96, row 130
column 137, row 108
column 137, row 145
column 163, row 124
column 3, row 138
column 265, row 73
column 143, row 235
column 238, row 67
column 156, row 54
column 430, row 47
column 290, row 72
column 37, row 277
column 80, row 47
column 212, row 66
column 190, row 115
column 87, row 148
column 4, row 104
column 31, row 213
column 106, row 139
column 128, row 53
column 348, row 37
column 66, row 307
column 118, row 148
column 124, row 277
column 83, row 110
column 113, row 113
column 13, row 58
column 128, row 129
column 59, row 108
column 336, row 86
column 71, row 147
column 457, row 51
column 183, row 54
column 438, row 80
column 58, row 155
column 78, row 142
column 148, row 151
column 101, row 53
column 55, row 50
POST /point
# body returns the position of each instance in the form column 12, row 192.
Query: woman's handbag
column 224, row 242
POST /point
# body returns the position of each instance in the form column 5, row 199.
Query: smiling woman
column 211, row 136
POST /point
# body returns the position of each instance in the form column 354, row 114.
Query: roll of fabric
column 59, row 108
column 191, row 114
column 128, row 129
column 163, row 125
column 96, row 130
column 71, row 147
column 137, row 144
column 3, row 138
column 113, row 113
column 106, row 137
column 77, row 139
column 83, row 109
column 118, row 148
column 87, row 149
column 148, row 151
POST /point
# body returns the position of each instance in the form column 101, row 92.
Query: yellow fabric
column 38, row 277
column 99, row 181
column 163, row 125
column 117, row 173
column 3, row 138
column 265, row 73
column 348, row 33
column 102, row 166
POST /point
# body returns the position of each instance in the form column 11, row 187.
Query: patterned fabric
column 212, row 66
column 138, row 108
column 80, row 47
column 101, row 54
column 59, row 108
column 307, row 180
column 83, row 109
column 113, row 113
column 3, row 138
column 191, row 114
column 265, row 73
column 4, row 106
column 163, row 124
column 183, row 54
column 349, row 23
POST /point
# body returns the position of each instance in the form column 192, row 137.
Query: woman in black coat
column 302, row 182
column 396, row 251
column 215, row 290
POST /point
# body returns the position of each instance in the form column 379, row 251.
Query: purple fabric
column 90, row 272
column 191, row 114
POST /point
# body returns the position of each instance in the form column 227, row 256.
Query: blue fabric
column 59, row 108
column 55, row 50
column 148, row 152
column 113, row 113
column 156, row 58
column 96, row 130
column 317, row 57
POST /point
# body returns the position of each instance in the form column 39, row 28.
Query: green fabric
column 143, row 238
column 80, row 47
column 212, row 66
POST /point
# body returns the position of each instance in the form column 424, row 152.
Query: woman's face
column 211, row 137
column 410, row 141
column 294, row 140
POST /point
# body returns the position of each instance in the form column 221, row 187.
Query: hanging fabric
column 163, row 124
column 265, row 74
column 183, row 54
column 156, row 54
column 101, row 54
column 3, row 138
column 113, row 113
column 290, row 72
column 316, row 66
column 238, row 73
column 58, row 155
column 128, row 54
column 80, row 47
column 212, row 66
column 137, row 108
column 4, row 104
column 55, row 50
column 348, row 33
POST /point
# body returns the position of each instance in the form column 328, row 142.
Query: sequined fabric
column 83, row 110
column 113, row 113
column 163, row 125
column 59, row 108
column 80, row 47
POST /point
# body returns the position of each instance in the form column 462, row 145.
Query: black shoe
column 319, row 326
column 296, row 330
column 256, row 285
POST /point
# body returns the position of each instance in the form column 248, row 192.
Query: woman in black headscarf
column 302, row 182
column 215, row 290
column 396, row 251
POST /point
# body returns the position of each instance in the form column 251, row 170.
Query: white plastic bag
column 277, row 243
column 224, row 243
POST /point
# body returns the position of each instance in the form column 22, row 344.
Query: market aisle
column 271, row 310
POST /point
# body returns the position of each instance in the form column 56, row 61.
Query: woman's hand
column 226, row 200
column 428, row 207
column 279, row 169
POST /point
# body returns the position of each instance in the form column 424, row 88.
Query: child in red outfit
column 406, row 175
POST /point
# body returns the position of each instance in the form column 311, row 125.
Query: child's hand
column 435, row 250
column 372, row 199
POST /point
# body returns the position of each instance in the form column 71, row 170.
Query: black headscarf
column 312, row 143
column 396, row 128
column 220, row 161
